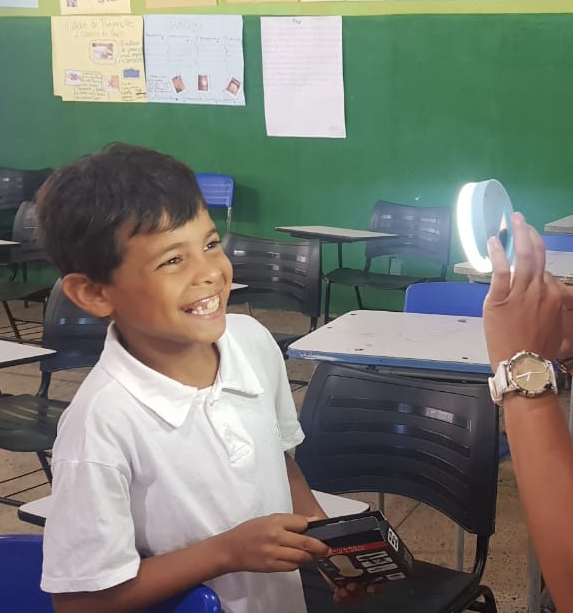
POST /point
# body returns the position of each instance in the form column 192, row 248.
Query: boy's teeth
column 206, row 307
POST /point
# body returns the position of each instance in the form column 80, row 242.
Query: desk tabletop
column 13, row 354
column 397, row 339
column 332, row 233
column 4, row 243
column 560, row 226
column 558, row 263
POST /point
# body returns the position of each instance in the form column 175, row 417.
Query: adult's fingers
column 538, row 253
column 501, row 276
column 526, row 261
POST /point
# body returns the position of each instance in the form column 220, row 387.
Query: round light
column 483, row 210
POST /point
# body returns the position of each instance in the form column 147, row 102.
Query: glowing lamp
column 483, row 210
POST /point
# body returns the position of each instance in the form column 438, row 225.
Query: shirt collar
column 168, row 398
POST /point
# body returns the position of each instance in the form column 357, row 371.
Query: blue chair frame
column 218, row 190
column 21, row 570
column 558, row 242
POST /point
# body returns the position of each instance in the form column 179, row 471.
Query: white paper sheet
column 194, row 59
column 302, row 76
column 20, row 4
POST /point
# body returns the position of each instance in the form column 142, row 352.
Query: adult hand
column 523, row 311
column 273, row 543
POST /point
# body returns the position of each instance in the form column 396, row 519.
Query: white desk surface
column 559, row 264
column 406, row 340
column 12, row 353
column 238, row 286
column 560, row 226
column 4, row 243
column 331, row 232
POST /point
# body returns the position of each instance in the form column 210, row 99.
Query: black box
column 365, row 549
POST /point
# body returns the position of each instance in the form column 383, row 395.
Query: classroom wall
column 432, row 101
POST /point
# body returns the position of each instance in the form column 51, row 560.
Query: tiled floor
column 428, row 534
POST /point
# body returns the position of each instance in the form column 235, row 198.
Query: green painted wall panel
column 432, row 101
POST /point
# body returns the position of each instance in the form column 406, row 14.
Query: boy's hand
column 354, row 593
column 273, row 543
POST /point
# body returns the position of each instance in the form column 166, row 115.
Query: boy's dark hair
column 83, row 206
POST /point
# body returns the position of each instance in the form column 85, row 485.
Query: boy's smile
column 169, row 295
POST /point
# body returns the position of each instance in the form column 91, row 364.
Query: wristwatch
column 526, row 373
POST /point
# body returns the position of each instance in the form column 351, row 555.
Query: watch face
column 530, row 373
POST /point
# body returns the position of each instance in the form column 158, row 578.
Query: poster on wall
column 82, row 7
column 19, row 4
column 195, row 59
column 98, row 59
column 302, row 76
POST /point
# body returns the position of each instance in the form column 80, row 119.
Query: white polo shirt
column 144, row 465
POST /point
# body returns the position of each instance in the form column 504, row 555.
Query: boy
column 171, row 466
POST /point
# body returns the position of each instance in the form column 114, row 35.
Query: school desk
column 560, row 226
column 558, row 263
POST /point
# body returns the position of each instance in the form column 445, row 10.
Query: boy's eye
column 213, row 244
column 172, row 261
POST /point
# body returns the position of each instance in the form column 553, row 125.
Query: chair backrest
column 423, row 233
column 435, row 442
column 21, row 570
column 277, row 273
column 24, row 231
column 77, row 336
column 446, row 298
column 217, row 189
column 558, row 242
column 19, row 185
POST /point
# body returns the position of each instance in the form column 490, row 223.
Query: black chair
column 422, row 242
column 28, row 422
column 17, row 185
column 434, row 442
column 282, row 274
column 17, row 257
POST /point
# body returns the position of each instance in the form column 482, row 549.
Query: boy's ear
column 87, row 294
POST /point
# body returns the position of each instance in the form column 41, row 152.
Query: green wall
column 432, row 101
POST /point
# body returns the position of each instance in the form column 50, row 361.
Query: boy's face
column 171, row 290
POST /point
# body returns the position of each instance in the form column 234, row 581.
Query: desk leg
column 533, row 582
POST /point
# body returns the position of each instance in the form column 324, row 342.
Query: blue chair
column 21, row 569
column 218, row 191
column 558, row 242
column 446, row 298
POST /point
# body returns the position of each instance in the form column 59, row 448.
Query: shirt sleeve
column 89, row 542
column 290, row 431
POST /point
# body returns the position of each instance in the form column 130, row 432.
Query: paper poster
column 98, row 59
column 162, row 4
column 302, row 76
column 194, row 59
column 81, row 7
column 19, row 4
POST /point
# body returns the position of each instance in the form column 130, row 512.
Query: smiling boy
column 170, row 466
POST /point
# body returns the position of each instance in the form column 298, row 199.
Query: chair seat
column 29, row 423
column 18, row 290
column 431, row 589
column 353, row 277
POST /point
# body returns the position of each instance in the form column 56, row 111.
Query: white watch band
column 498, row 385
